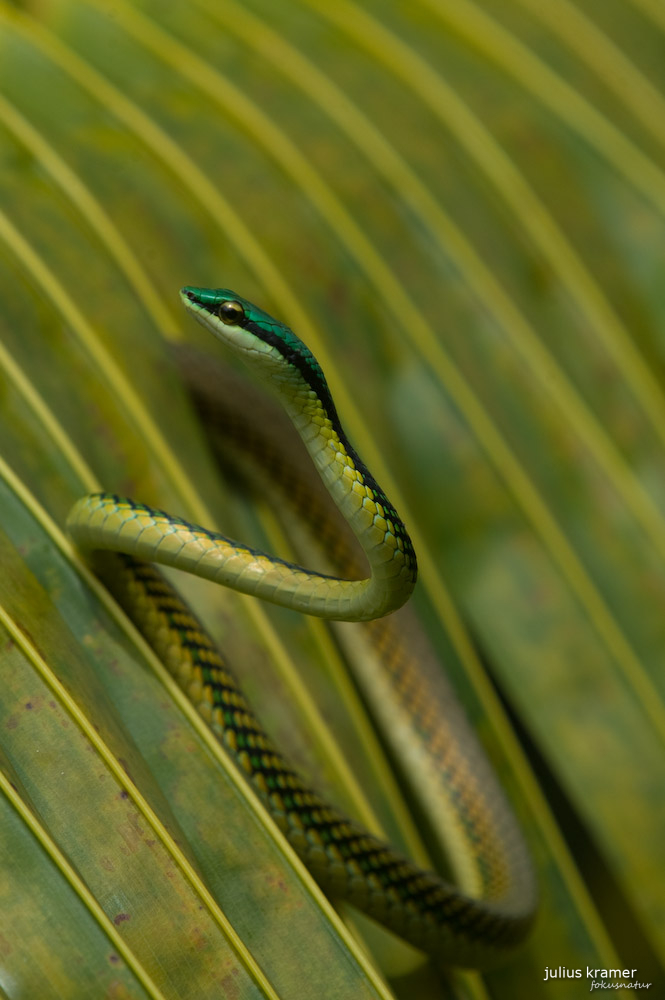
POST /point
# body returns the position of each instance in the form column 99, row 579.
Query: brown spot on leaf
column 229, row 985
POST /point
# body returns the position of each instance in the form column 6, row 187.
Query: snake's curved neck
column 106, row 521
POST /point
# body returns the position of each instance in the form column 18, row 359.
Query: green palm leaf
column 460, row 209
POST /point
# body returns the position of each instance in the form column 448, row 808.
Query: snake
column 475, row 920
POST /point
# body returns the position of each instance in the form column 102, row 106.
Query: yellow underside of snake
column 474, row 926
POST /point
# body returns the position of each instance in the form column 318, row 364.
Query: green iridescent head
column 226, row 306
column 253, row 333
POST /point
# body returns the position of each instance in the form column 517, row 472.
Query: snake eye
column 231, row 313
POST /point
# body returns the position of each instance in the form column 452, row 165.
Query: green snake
column 473, row 926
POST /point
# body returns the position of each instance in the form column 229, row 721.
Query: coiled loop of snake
column 432, row 914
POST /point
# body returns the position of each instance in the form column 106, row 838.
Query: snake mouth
column 188, row 294
column 203, row 311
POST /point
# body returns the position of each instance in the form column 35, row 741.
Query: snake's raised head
column 266, row 343
column 280, row 358
column 219, row 309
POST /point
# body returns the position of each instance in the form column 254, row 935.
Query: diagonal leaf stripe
column 594, row 48
column 527, row 209
column 49, row 845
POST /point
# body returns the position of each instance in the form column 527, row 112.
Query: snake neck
column 361, row 501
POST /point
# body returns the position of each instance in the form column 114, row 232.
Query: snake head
column 271, row 348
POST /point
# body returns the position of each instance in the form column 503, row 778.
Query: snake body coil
column 420, row 906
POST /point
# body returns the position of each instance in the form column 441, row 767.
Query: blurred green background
column 460, row 207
